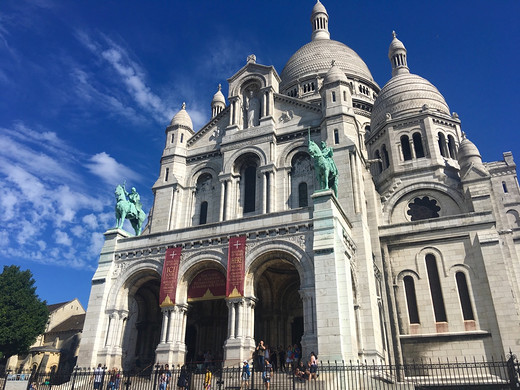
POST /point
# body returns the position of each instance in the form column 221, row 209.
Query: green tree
column 22, row 314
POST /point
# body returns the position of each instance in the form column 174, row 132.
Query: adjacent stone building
column 415, row 257
column 56, row 350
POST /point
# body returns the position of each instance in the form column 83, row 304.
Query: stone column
column 264, row 192
column 231, row 319
column 271, row 192
column 164, row 325
column 222, row 215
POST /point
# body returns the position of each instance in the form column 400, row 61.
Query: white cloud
column 49, row 213
column 109, row 170
column 128, row 71
column 63, row 238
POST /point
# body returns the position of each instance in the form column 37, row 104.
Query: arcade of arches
column 278, row 314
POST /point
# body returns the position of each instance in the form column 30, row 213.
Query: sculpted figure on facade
column 252, row 107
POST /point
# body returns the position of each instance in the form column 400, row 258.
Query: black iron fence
column 500, row 374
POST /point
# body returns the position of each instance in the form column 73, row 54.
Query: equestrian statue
column 324, row 165
column 131, row 209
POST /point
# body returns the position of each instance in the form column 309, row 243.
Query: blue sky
column 88, row 87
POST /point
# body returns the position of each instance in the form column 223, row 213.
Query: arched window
column 451, row 146
column 303, row 196
column 465, row 301
column 249, row 189
column 173, row 138
column 386, row 159
column 411, row 300
column 336, row 136
column 442, row 144
column 333, row 96
column 182, row 137
column 417, row 145
column 405, row 147
column 435, row 289
column 379, row 162
column 504, row 187
column 203, row 213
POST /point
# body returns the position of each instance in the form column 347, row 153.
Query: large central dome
column 316, row 57
column 302, row 74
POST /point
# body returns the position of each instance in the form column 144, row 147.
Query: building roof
column 56, row 306
column 73, row 323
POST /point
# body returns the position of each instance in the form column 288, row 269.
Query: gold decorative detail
column 167, row 302
column 235, row 294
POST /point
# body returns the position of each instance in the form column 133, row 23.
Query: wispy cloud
column 49, row 214
column 128, row 71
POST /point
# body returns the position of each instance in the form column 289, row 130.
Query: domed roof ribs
column 397, row 56
column 320, row 22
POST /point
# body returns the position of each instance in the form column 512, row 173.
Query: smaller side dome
column 182, row 118
column 334, row 74
column 468, row 153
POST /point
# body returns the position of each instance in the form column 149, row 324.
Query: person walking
column 207, row 380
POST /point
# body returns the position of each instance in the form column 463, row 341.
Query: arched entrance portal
column 279, row 310
column 206, row 329
column 143, row 326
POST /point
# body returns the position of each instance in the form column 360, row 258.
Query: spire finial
column 394, row 34
column 183, row 107
column 219, row 86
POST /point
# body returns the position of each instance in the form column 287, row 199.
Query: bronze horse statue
column 326, row 170
column 126, row 209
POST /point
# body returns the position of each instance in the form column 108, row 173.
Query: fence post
column 155, row 376
column 253, row 364
column 74, row 378
column 6, row 375
column 31, row 377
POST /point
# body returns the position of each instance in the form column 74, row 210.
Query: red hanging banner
column 169, row 277
column 236, row 268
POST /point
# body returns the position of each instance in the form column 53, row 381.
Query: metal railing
column 449, row 375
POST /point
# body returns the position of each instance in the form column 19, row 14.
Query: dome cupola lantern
column 397, row 56
column 218, row 103
column 320, row 22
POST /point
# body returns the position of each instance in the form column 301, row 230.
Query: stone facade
column 415, row 257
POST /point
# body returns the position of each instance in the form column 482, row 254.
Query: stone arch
column 239, row 154
column 130, row 278
column 194, row 263
column 406, row 272
column 290, row 251
column 276, row 277
column 246, row 81
column 421, row 255
column 201, row 169
column 513, row 218
column 396, row 207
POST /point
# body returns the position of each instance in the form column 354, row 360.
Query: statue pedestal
column 335, row 317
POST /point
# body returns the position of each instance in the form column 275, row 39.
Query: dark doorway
column 279, row 310
column 143, row 327
column 206, row 329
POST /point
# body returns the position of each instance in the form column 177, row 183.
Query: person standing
column 268, row 371
column 183, row 380
column 163, row 381
column 98, row 377
column 314, row 366
column 246, row 374
column 260, row 352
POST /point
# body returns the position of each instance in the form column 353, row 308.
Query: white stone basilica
column 415, row 257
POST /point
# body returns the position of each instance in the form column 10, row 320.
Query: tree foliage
column 22, row 314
